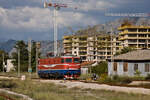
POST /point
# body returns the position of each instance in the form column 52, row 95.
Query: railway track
column 15, row 77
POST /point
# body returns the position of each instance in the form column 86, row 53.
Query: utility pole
column 29, row 53
column 111, row 44
column 37, row 56
column 3, row 62
column 18, row 62
column 112, row 61
column 55, row 31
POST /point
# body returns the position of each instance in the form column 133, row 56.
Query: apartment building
column 137, row 37
column 92, row 47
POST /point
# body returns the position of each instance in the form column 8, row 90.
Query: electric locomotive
column 59, row 67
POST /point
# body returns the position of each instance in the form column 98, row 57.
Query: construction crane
column 57, row 7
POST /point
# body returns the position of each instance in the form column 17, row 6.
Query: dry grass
column 49, row 91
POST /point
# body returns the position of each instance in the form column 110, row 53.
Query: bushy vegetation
column 116, row 80
column 23, row 48
column 101, row 68
column 124, row 50
column 147, row 77
column 1, row 58
column 85, row 77
column 7, row 84
column 48, row 91
column 1, row 98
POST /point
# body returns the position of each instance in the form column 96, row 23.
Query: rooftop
column 137, row 55
column 132, row 26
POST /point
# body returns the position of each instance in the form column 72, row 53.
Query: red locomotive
column 59, row 67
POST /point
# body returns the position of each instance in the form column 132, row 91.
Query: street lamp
column 37, row 55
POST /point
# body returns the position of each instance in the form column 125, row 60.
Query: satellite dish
column 45, row 4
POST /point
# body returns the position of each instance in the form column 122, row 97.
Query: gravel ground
column 72, row 84
column 139, row 82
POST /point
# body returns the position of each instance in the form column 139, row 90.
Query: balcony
column 133, row 27
column 126, row 38
column 67, row 41
column 83, row 50
column 67, row 37
column 127, row 32
column 82, row 53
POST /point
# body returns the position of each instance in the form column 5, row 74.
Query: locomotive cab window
column 62, row 60
column 76, row 60
column 68, row 60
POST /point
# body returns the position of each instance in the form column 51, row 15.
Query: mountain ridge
column 48, row 46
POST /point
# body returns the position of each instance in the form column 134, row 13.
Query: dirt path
column 17, row 94
column 82, row 85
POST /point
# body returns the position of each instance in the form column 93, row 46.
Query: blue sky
column 23, row 19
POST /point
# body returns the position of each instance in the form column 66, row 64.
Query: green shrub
column 147, row 77
column 138, row 78
column 104, row 79
column 101, row 68
column 137, row 73
column 85, row 77
column 114, row 80
column 8, row 84
column 125, row 80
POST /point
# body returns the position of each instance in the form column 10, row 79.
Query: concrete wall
column 9, row 65
column 84, row 71
column 130, row 72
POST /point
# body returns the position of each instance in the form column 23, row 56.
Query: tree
column 124, row 50
column 1, row 58
column 126, row 22
column 33, row 56
column 101, row 68
column 20, row 45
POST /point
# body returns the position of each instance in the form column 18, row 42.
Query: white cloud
column 96, row 5
column 39, row 19
column 25, row 18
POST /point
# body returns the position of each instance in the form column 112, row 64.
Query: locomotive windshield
column 76, row 60
column 68, row 60
column 62, row 60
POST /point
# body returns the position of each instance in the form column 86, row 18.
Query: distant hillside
column 106, row 28
column 8, row 45
column 47, row 46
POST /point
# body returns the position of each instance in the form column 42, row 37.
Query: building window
column 125, row 67
column 135, row 67
column 115, row 66
column 147, row 67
